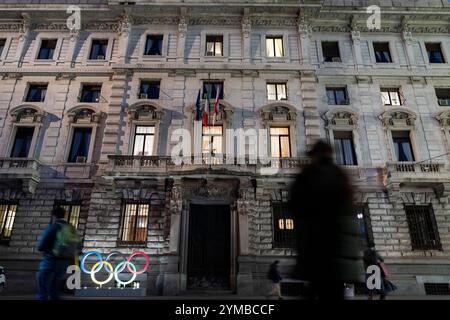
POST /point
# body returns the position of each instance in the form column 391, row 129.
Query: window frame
column 273, row 39
column 82, row 87
column 152, row 152
column 440, row 99
column 388, row 44
column 91, row 47
column 38, row 51
column 70, row 204
column 410, row 138
column 276, row 84
column 352, row 138
column 338, row 50
column 335, row 89
column 389, row 91
column 4, row 50
column 415, row 246
column 120, row 240
column 30, row 85
column 281, row 240
column 441, row 51
column 213, row 82
column 279, row 141
column 5, row 240
column 155, row 35
column 154, row 81
column 215, row 42
column 212, row 136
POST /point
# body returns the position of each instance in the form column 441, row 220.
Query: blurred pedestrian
column 327, row 234
column 274, row 276
column 372, row 257
column 59, row 243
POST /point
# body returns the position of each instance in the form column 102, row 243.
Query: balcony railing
column 411, row 171
column 150, row 164
column 21, row 169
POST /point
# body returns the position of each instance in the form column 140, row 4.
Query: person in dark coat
column 275, row 277
column 322, row 201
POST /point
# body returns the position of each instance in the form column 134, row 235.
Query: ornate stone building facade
column 89, row 118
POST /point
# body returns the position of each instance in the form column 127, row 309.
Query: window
column 391, row 97
column 337, row 96
column 98, row 50
column 212, row 137
column 47, row 49
column 434, row 53
column 280, row 144
column 382, row 52
column 274, row 46
column 276, row 91
column 284, row 226
column 72, row 211
column 36, row 93
column 79, row 148
column 91, row 93
column 153, row 45
column 364, row 224
column 443, row 95
column 7, row 215
column 422, row 227
column 402, row 145
column 149, row 90
column 212, row 88
column 214, row 46
column 331, row 52
column 144, row 138
column 22, row 142
column 344, row 148
column 135, row 223
column 2, row 46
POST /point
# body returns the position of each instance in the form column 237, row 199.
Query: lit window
column 274, row 46
column 276, row 91
column 402, row 145
column 280, row 144
column 149, row 90
column 330, row 50
column 212, row 140
column 434, row 53
column 7, row 216
column 382, row 52
column 135, row 222
column 72, row 212
column 214, row 46
column 284, row 229
column 36, row 93
column 143, row 140
column 79, row 148
column 47, row 49
column 344, row 148
column 153, row 45
column 391, row 97
column 98, row 50
column 22, row 142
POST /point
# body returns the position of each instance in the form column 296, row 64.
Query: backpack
column 67, row 241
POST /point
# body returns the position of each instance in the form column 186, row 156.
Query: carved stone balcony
column 21, row 172
column 426, row 173
column 119, row 165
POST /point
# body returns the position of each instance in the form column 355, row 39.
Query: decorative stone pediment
column 225, row 114
column 398, row 117
column 145, row 112
column 278, row 112
column 27, row 114
column 444, row 118
column 84, row 115
column 342, row 117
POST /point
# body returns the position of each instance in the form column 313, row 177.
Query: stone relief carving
column 444, row 118
column 278, row 113
column 145, row 112
column 84, row 115
column 246, row 25
column 27, row 115
column 397, row 118
column 342, row 117
column 182, row 26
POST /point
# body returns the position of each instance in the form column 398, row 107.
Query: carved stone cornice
column 341, row 117
column 398, row 118
column 444, row 119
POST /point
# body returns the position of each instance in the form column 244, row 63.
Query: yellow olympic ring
column 110, row 267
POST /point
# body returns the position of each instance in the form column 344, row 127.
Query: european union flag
column 198, row 112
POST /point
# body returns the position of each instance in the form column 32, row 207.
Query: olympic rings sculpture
column 113, row 272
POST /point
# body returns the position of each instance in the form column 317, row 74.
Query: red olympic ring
column 147, row 262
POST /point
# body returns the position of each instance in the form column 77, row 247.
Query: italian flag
column 206, row 110
column 216, row 104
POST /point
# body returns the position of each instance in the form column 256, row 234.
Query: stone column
column 246, row 38
column 182, row 31
column 407, row 42
column 308, row 86
column 355, row 35
column 304, row 32
column 124, row 37
column 24, row 33
column 113, row 127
